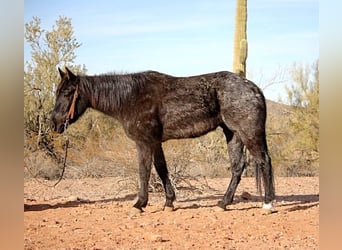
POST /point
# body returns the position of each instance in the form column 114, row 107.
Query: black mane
column 110, row 92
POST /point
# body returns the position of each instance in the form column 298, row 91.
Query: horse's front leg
column 145, row 161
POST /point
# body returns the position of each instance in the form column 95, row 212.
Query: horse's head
column 69, row 105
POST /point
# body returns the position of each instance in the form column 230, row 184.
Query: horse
column 154, row 107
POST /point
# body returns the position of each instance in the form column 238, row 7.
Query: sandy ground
column 93, row 214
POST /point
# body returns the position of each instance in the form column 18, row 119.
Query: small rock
column 155, row 238
column 219, row 209
column 268, row 211
column 169, row 209
column 134, row 212
column 72, row 198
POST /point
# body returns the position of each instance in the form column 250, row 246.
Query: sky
column 184, row 38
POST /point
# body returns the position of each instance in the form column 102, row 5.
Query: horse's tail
column 250, row 161
column 258, row 174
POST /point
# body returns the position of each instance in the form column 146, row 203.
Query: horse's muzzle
column 55, row 127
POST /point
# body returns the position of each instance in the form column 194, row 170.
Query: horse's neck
column 106, row 95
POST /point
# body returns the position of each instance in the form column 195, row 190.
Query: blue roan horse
column 154, row 107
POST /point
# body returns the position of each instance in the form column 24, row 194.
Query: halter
column 71, row 112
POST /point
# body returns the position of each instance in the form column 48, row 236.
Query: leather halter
column 71, row 112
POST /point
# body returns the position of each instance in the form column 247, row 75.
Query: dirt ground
column 93, row 214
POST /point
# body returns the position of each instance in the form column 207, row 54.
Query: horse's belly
column 189, row 128
column 188, row 113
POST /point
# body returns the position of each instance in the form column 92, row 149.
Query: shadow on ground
column 74, row 203
column 294, row 202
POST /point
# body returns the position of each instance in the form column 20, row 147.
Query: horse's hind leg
column 238, row 163
column 268, row 179
column 160, row 165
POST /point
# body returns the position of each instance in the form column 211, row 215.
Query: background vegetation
column 98, row 146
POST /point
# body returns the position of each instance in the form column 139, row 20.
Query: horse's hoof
column 169, row 209
column 267, row 208
column 134, row 212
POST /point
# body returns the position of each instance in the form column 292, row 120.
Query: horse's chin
column 60, row 129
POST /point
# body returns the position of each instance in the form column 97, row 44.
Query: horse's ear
column 71, row 76
column 61, row 72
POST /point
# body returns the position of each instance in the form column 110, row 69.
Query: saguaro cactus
column 240, row 38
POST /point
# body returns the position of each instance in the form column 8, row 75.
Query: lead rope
column 64, row 161
column 70, row 115
column 65, row 152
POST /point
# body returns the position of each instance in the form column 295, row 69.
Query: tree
column 49, row 49
column 303, row 98
column 240, row 38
